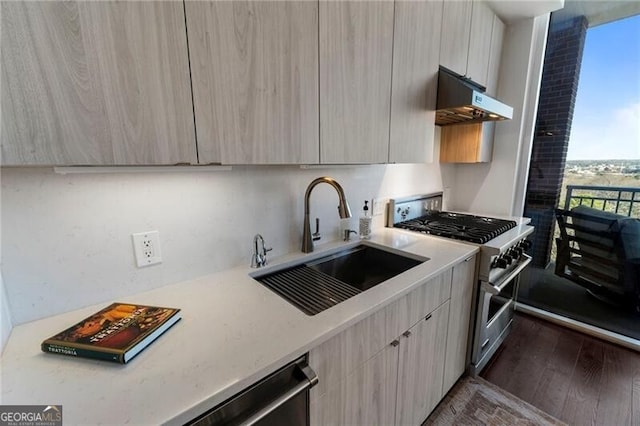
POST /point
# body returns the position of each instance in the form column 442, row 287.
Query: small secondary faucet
column 259, row 257
column 343, row 209
column 347, row 234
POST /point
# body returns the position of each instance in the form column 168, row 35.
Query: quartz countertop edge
column 233, row 332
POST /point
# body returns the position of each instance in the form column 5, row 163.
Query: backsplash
column 66, row 239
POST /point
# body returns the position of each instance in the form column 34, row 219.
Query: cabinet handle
column 468, row 258
column 406, row 333
column 395, row 343
column 427, row 318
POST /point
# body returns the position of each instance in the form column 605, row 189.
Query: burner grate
column 475, row 229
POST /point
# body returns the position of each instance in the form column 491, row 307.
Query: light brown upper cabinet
column 470, row 44
column 356, row 40
column 497, row 38
column 254, row 66
column 480, row 43
column 473, row 143
column 416, row 46
column 454, row 42
column 95, row 83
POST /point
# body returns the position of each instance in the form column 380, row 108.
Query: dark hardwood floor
column 576, row 378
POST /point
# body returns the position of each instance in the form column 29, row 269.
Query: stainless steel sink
column 322, row 283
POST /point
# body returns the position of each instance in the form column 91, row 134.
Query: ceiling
column 514, row 10
column 598, row 11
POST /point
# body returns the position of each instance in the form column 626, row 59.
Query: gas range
column 466, row 227
column 502, row 244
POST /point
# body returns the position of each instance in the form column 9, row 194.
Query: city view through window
column 604, row 144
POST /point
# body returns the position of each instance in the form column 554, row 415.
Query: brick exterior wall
column 559, row 86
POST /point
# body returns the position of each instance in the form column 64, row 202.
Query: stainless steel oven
column 496, row 303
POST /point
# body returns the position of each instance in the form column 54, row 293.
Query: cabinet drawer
column 423, row 300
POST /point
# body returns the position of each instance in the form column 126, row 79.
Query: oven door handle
column 497, row 287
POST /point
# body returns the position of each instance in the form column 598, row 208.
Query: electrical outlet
column 146, row 246
column 379, row 206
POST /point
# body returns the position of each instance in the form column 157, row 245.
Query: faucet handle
column 316, row 235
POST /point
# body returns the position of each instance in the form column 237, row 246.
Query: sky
column 606, row 119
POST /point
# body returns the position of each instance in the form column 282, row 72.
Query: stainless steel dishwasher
column 281, row 398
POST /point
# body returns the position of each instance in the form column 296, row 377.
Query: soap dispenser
column 365, row 222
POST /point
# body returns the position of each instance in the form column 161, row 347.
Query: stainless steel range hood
column 461, row 101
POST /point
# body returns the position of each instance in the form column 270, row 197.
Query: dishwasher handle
column 311, row 379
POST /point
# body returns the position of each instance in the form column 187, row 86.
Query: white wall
column 5, row 316
column 6, row 324
column 498, row 187
column 539, row 32
column 66, row 239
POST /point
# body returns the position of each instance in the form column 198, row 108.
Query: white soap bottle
column 365, row 222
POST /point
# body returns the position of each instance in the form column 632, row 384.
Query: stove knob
column 501, row 263
column 518, row 252
column 525, row 244
column 508, row 258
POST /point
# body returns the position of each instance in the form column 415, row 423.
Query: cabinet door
column 355, row 81
column 339, row 356
column 459, row 321
column 454, row 42
column 95, row 83
column 367, row 396
column 497, row 38
column 416, row 47
column 480, row 43
column 421, row 368
column 255, row 81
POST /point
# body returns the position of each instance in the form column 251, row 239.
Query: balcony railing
column 616, row 199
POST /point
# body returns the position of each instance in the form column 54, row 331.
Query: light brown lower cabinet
column 421, row 367
column 367, row 396
column 400, row 384
column 459, row 328
column 390, row 367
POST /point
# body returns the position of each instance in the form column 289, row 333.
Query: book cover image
column 116, row 333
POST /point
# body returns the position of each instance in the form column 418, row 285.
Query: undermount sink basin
column 363, row 267
column 322, row 283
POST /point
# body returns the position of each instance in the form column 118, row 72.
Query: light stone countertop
column 233, row 332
